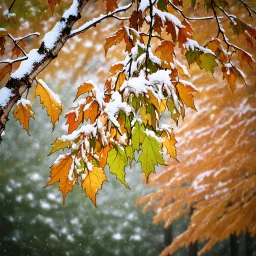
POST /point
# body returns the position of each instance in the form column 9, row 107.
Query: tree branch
column 37, row 60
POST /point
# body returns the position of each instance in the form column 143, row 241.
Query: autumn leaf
column 111, row 5
column 169, row 143
column 120, row 80
column 60, row 173
column 93, row 182
column 92, row 111
column 116, row 38
column 185, row 92
column 138, row 135
column 49, row 100
column 53, row 3
column 23, row 112
column 117, row 160
column 150, row 155
column 60, row 143
column 2, row 45
column 5, row 70
column 166, row 48
column 85, row 87
column 16, row 50
column 207, row 61
column 229, row 74
column 116, row 68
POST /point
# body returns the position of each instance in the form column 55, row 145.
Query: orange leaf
column 120, row 81
column 111, row 5
column 166, row 49
column 230, row 76
column 115, row 68
column 2, row 46
column 92, row 112
column 49, row 100
column 86, row 87
column 60, row 173
column 114, row 39
column 93, row 182
column 23, row 112
column 169, row 143
column 185, row 94
column 53, row 3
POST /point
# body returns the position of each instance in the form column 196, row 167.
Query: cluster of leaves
column 113, row 121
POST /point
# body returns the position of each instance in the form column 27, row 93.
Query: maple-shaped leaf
column 229, row 74
column 16, row 50
column 111, row 5
column 138, row 135
column 150, row 155
column 92, row 112
column 185, row 92
column 117, row 160
column 5, row 70
column 23, row 112
column 49, row 100
column 60, row 143
column 166, row 48
column 93, row 182
column 53, row 3
column 61, row 173
column 84, row 88
column 207, row 61
column 116, row 38
column 160, row 105
column 169, row 143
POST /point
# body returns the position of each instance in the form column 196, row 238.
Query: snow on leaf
column 49, row 100
column 150, row 155
column 60, row 143
column 85, row 87
column 60, row 173
column 117, row 160
column 23, row 112
column 93, row 182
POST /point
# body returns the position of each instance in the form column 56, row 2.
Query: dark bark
column 249, row 245
column 193, row 249
column 234, row 245
column 168, row 236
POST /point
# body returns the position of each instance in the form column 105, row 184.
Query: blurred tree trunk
column 234, row 245
column 248, row 244
column 168, row 236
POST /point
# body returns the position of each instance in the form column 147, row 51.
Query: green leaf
column 207, row 61
column 138, row 136
column 117, row 160
column 150, row 155
column 161, row 5
column 192, row 56
column 193, row 3
column 130, row 153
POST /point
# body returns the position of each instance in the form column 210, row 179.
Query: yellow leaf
column 60, row 144
column 169, row 143
column 160, row 105
column 23, row 112
column 93, row 182
column 49, row 100
column 115, row 68
column 86, row 87
column 185, row 92
column 60, row 173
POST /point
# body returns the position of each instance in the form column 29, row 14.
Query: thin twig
column 11, row 5
column 15, row 42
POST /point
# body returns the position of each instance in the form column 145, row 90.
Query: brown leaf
column 53, row 3
column 5, row 70
column 111, row 5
